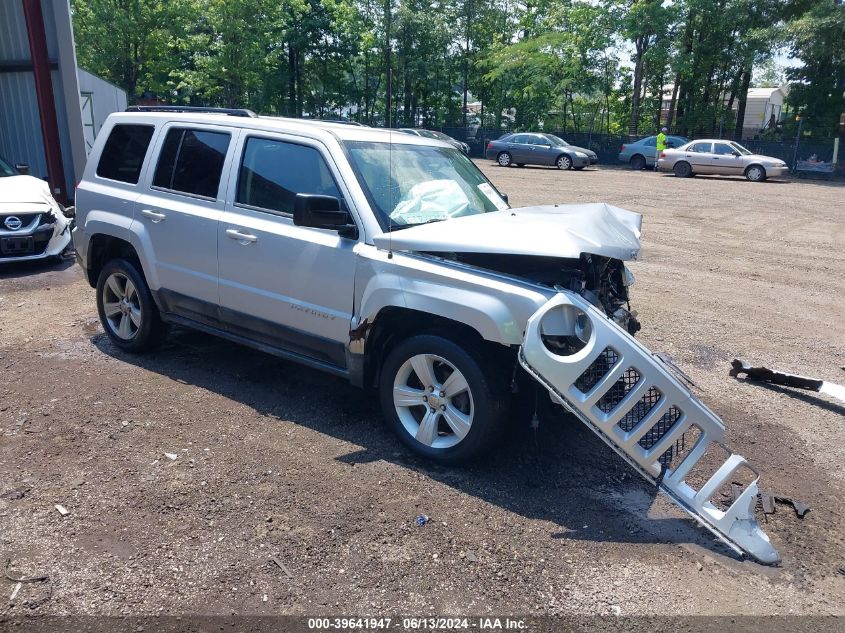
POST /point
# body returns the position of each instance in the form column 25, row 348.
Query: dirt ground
column 274, row 460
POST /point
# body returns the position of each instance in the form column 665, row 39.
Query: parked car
column 32, row 224
column 714, row 156
column 333, row 260
column 391, row 260
column 643, row 153
column 538, row 149
column 440, row 136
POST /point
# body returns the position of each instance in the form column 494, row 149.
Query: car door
column 726, row 160
column 698, row 156
column 542, row 152
column 280, row 284
column 518, row 146
column 177, row 214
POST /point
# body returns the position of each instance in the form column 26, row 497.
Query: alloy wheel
column 564, row 162
column 504, row 159
column 122, row 306
column 433, row 401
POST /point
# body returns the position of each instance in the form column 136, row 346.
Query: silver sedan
column 715, row 156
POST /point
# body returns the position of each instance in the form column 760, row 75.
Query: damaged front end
column 628, row 397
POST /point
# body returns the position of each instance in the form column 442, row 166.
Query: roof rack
column 194, row 109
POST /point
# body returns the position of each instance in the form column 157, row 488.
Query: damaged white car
column 32, row 224
column 391, row 260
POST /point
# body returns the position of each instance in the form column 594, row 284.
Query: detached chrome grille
column 622, row 392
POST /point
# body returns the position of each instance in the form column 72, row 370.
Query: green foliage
column 599, row 65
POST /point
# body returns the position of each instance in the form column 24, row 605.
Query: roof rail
column 194, row 109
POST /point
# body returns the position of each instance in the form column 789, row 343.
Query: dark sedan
column 539, row 149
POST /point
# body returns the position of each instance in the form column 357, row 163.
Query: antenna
column 389, row 165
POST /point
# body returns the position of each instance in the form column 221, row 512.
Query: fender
column 495, row 306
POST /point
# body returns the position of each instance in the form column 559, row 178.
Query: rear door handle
column 243, row 238
column 155, row 216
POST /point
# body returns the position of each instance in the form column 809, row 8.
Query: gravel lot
column 274, row 460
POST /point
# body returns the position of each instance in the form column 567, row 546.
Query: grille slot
column 619, row 390
column 597, row 370
column 655, row 433
column 640, row 409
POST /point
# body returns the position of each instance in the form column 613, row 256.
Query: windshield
column 556, row 140
column 415, row 184
column 6, row 169
column 741, row 149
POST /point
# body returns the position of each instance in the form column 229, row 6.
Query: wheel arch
column 394, row 324
column 760, row 165
column 102, row 248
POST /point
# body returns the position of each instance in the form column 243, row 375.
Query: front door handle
column 243, row 238
column 155, row 216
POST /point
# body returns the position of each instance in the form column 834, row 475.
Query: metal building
column 40, row 114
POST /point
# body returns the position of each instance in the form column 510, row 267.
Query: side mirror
column 504, row 197
column 22, row 168
column 736, row 153
column 323, row 212
column 69, row 212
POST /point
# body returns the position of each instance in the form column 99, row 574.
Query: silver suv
column 390, row 259
column 386, row 258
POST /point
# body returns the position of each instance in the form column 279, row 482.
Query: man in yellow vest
column 661, row 145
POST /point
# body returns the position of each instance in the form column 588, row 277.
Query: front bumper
column 580, row 162
column 629, row 398
column 47, row 235
column 777, row 172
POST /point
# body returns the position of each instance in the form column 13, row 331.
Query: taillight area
column 622, row 149
column 662, row 154
column 490, row 145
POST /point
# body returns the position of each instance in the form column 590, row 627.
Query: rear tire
column 504, row 159
column 637, row 162
column 456, row 418
column 126, row 307
column 682, row 169
column 755, row 173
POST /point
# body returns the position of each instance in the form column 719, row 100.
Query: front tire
column 755, row 173
column 638, row 162
column 442, row 400
column 127, row 311
column 563, row 162
column 504, row 159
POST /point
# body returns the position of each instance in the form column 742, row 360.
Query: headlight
column 580, row 154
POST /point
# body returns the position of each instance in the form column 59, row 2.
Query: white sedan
column 32, row 224
column 715, row 156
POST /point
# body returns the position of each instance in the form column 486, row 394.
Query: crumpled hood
column 565, row 230
column 24, row 194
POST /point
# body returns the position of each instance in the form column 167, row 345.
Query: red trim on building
column 44, row 93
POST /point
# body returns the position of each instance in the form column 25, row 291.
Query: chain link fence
column 795, row 152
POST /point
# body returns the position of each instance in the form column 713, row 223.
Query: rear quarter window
column 124, row 152
column 191, row 161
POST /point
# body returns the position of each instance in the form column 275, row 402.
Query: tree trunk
column 634, row 123
column 670, row 116
column 743, row 98
column 291, row 79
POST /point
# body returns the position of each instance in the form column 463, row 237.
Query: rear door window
column 701, row 148
column 272, row 173
column 191, row 161
column 124, row 152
